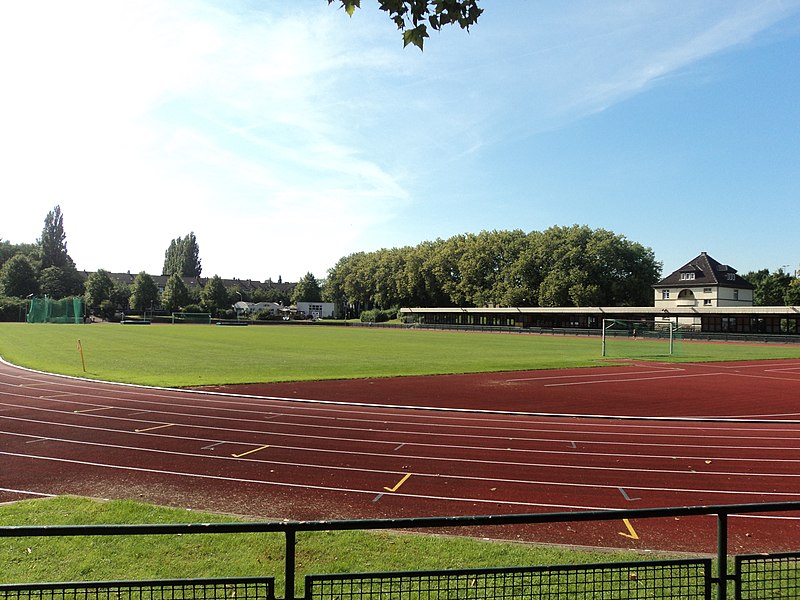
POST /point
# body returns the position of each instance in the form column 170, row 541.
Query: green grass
column 104, row 558
column 187, row 355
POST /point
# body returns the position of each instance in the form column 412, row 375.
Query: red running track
column 470, row 444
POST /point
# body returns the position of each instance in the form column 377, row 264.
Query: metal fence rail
column 679, row 579
column 251, row 588
column 756, row 576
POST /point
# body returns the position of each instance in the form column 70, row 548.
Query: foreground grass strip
column 189, row 355
column 99, row 558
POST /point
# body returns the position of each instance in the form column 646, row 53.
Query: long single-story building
column 703, row 295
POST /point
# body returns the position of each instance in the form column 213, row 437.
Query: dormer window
column 685, row 276
column 731, row 277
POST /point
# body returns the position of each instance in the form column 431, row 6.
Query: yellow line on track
column 631, row 531
column 398, row 484
column 249, row 452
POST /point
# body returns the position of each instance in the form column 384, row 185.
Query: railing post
column 289, row 564
column 722, row 556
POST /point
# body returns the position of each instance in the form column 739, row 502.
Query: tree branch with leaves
column 413, row 17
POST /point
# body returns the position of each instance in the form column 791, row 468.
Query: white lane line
column 27, row 492
column 439, row 414
column 304, row 427
column 169, row 393
column 634, row 379
column 482, row 448
column 469, row 478
column 324, row 488
column 493, row 501
column 590, row 376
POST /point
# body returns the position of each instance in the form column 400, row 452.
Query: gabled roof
column 705, row 271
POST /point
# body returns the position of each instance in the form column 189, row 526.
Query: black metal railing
column 754, row 576
column 248, row 588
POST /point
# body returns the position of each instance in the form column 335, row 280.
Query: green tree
column 176, row 294
column 60, row 282
column 413, row 17
column 144, row 293
column 792, row 296
column 18, row 277
column 53, row 243
column 307, row 289
column 214, row 296
column 99, row 287
column 769, row 288
column 183, row 257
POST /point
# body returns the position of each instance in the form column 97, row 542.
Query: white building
column 702, row 282
column 316, row 310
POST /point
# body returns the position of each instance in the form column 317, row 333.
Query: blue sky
column 287, row 135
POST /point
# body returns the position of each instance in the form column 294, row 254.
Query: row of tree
column 777, row 288
column 45, row 268
column 561, row 266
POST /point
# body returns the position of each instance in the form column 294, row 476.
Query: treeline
column 45, row 268
column 777, row 288
column 561, row 266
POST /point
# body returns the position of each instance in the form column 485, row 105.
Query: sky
column 287, row 135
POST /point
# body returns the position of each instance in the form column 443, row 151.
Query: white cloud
column 286, row 136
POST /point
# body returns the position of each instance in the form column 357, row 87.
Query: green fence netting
column 47, row 310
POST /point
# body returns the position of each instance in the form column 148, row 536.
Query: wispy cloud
column 293, row 126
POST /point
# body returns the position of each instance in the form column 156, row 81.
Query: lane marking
column 201, row 476
column 400, row 446
column 625, row 495
column 210, row 446
column 398, row 484
column 573, row 445
column 250, row 452
column 34, row 441
column 88, row 410
column 591, row 375
column 13, row 491
column 633, row 379
column 378, row 497
column 154, row 428
column 631, row 531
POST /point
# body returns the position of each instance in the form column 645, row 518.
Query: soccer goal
column 191, row 317
column 636, row 338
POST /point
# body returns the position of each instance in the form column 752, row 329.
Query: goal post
column 657, row 337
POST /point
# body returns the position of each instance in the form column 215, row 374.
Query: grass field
column 234, row 555
column 188, row 355
column 185, row 355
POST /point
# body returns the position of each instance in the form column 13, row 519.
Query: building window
column 706, row 290
column 735, row 294
column 731, row 276
column 687, row 276
column 665, row 294
column 707, row 302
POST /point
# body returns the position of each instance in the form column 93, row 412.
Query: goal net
column 639, row 338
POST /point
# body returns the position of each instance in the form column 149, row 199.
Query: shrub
column 374, row 316
column 13, row 309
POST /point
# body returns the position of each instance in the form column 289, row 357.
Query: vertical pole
column 291, row 543
column 671, row 338
column 603, row 335
column 722, row 556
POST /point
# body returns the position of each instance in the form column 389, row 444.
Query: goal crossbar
column 638, row 329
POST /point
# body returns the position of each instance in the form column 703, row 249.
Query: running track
column 429, row 446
